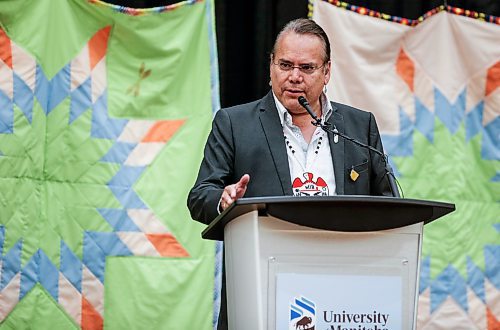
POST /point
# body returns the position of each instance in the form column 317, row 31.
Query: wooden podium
column 323, row 262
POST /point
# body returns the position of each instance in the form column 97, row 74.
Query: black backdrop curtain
column 246, row 31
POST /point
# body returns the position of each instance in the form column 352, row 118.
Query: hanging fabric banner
column 104, row 112
column 433, row 85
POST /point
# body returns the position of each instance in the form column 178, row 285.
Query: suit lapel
column 273, row 131
column 337, row 150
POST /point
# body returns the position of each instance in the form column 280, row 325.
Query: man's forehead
column 291, row 42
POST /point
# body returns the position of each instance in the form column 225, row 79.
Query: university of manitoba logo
column 309, row 187
column 302, row 314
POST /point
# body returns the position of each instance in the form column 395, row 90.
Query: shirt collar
column 326, row 110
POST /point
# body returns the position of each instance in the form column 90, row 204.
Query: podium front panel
column 285, row 276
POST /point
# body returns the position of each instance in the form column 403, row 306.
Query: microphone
column 326, row 127
column 317, row 121
column 303, row 102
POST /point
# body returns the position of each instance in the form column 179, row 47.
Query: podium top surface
column 336, row 213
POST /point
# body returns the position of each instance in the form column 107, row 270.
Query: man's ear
column 328, row 72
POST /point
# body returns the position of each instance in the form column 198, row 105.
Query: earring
column 270, row 83
column 325, row 89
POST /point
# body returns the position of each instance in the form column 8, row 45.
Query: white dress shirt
column 311, row 165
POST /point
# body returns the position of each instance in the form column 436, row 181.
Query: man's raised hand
column 234, row 191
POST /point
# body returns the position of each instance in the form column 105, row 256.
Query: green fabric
column 180, row 173
column 57, row 176
column 452, row 170
column 179, row 81
column 37, row 311
column 53, row 180
column 67, row 26
column 178, row 288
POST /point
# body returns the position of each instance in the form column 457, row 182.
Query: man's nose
column 295, row 75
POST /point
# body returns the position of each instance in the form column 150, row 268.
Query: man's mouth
column 296, row 92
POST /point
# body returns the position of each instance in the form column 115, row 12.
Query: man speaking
column 270, row 147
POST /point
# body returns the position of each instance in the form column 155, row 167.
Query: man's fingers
column 241, row 186
column 234, row 191
column 226, row 196
column 225, row 200
column 231, row 191
column 244, row 181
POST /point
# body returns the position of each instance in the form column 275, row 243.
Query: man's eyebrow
column 287, row 61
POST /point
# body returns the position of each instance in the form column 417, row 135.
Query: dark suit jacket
column 249, row 139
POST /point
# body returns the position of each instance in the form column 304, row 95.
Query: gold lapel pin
column 354, row 175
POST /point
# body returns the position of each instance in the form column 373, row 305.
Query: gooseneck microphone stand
column 327, row 128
